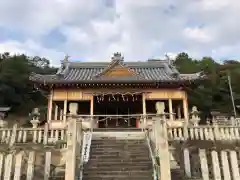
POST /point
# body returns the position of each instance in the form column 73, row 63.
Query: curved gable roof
column 93, row 72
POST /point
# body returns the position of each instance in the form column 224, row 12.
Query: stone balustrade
column 31, row 135
column 204, row 133
column 212, row 164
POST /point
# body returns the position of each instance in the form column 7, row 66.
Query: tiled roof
column 87, row 72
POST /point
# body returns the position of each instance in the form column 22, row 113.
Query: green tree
column 15, row 88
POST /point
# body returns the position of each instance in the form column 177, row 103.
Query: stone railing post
column 13, row 136
column 79, row 136
column 162, row 142
column 216, row 129
column 71, row 143
column 71, row 150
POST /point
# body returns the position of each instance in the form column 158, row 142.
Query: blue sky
column 93, row 30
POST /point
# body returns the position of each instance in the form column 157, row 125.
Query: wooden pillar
column 50, row 99
column 91, row 106
column 56, row 112
column 91, row 112
column 61, row 115
column 179, row 112
column 170, row 109
column 144, row 110
column 65, row 111
column 185, row 110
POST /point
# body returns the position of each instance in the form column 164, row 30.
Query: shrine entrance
column 118, row 110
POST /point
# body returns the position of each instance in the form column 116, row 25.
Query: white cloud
column 30, row 48
column 198, row 35
column 140, row 29
column 215, row 4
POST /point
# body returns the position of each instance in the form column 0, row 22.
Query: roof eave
column 114, row 81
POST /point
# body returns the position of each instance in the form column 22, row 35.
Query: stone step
column 118, row 143
column 115, row 178
column 127, row 156
column 118, row 135
column 177, row 174
column 116, row 158
column 111, row 139
column 114, row 147
column 117, row 130
column 122, row 163
column 112, row 156
column 119, row 152
column 118, row 168
column 120, row 174
column 114, row 139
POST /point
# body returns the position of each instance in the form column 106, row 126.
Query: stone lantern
column 194, row 118
column 3, row 111
column 35, row 117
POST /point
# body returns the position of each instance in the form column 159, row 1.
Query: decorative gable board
column 119, row 71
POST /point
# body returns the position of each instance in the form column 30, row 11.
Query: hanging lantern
column 113, row 97
column 123, row 97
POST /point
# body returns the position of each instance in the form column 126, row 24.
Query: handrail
column 154, row 164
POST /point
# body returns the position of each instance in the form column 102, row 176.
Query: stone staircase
column 118, row 156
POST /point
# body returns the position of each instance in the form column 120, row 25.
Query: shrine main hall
column 118, row 93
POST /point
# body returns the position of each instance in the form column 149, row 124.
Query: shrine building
column 116, row 94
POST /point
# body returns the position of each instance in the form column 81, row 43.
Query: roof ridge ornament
column 64, row 65
column 117, row 56
column 66, row 59
column 169, row 60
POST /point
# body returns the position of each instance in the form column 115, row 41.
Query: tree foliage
column 17, row 92
column 15, row 89
column 213, row 94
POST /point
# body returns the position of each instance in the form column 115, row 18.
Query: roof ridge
column 113, row 64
